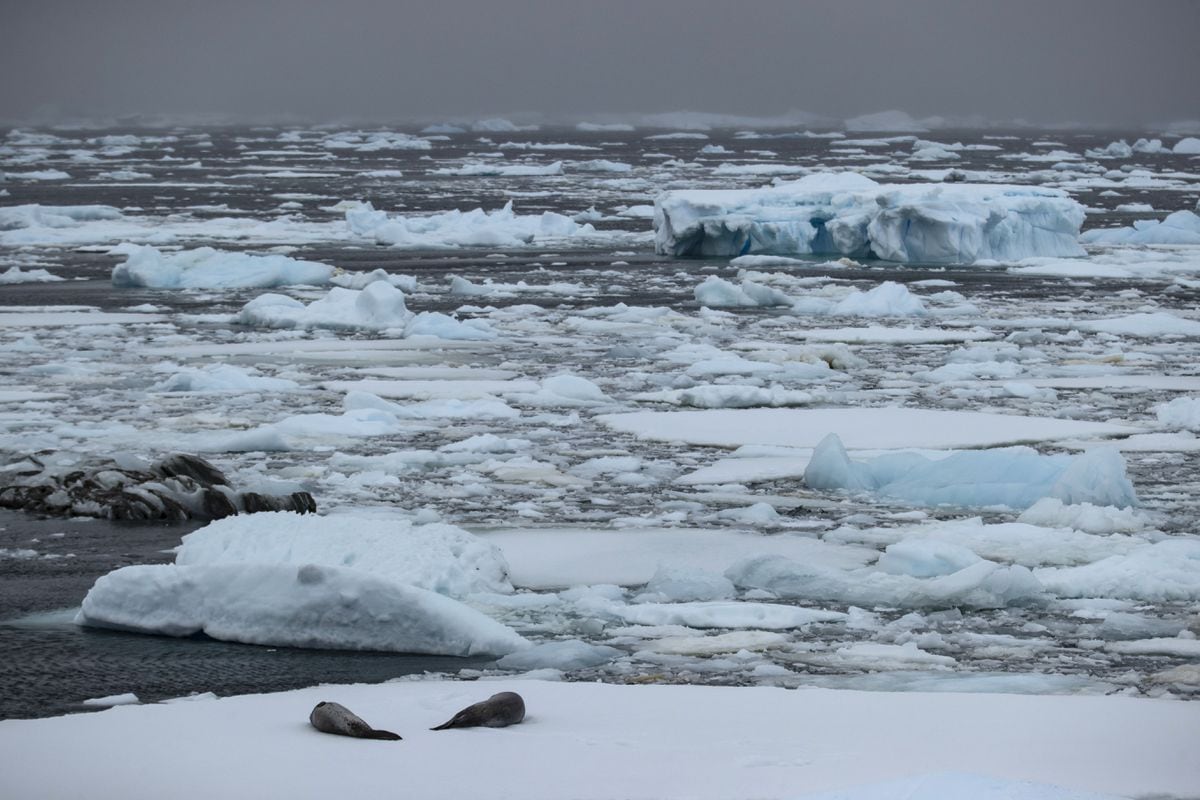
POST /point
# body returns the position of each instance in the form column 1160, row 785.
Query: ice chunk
column 925, row 558
column 851, row 215
column 1166, row 571
column 1181, row 227
column 222, row 378
column 500, row 228
column 17, row 275
column 564, row 655
column 727, row 614
column 438, row 557
column 1182, row 413
column 206, row 268
column 290, row 606
column 1117, row 149
column 888, row 299
column 503, row 170
column 716, row 292
column 983, row 584
column 682, row 585
column 1052, row 512
column 39, row 216
column 1187, row 146
column 1016, row 477
column 377, row 306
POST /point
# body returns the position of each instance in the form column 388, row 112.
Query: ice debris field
column 864, row 430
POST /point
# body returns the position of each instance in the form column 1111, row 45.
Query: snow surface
column 604, row 741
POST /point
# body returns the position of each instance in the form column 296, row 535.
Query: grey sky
column 1110, row 61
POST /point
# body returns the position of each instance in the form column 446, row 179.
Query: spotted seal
column 337, row 719
column 498, row 711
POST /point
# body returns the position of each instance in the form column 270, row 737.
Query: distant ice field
column 471, row 329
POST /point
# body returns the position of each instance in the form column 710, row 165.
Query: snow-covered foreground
column 585, row 740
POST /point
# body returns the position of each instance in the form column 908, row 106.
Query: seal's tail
column 388, row 735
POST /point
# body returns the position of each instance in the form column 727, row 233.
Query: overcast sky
column 1110, row 61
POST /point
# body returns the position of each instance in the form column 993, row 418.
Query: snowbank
column 289, row 606
column 596, row 741
column 849, row 214
column 220, row 378
column 206, row 268
column 500, row 228
column 502, row 170
column 1016, row 477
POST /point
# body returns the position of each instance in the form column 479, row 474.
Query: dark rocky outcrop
column 178, row 487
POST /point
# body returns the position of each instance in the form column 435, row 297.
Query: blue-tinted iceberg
column 851, row 215
column 1016, row 477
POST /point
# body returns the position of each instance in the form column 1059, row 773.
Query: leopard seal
column 498, row 711
column 335, row 718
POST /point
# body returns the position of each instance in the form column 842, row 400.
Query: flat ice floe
column 851, row 215
column 632, row 742
column 859, row 428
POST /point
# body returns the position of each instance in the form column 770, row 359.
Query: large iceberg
column 851, row 215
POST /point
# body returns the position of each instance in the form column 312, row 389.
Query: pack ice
column 851, row 215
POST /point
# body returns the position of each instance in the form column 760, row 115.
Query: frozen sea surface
column 509, row 435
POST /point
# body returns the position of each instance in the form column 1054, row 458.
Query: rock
column 178, row 487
